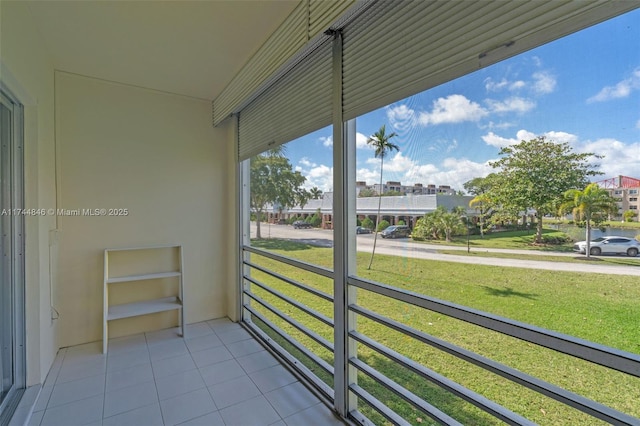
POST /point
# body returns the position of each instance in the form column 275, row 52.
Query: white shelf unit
column 114, row 261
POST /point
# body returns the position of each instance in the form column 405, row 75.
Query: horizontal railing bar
column 616, row 359
column 294, row 283
column 559, row 394
column 302, row 307
column 385, row 411
column 325, row 272
column 315, row 358
column 309, row 333
column 292, row 361
column 468, row 395
column 405, row 394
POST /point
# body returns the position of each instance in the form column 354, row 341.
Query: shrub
column 315, row 220
column 358, row 223
column 556, row 239
column 401, row 222
column 367, row 223
column 382, row 225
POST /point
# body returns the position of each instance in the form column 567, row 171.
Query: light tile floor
column 218, row 375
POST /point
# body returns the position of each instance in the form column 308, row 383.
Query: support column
column 344, row 238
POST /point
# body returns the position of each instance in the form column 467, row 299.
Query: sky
column 583, row 89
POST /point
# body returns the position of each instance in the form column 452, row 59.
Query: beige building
column 627, row 191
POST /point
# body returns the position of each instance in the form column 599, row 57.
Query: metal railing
column 256, row 306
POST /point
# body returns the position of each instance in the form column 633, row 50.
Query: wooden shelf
column 143, row 277
column 158, row 258
column 129, row 310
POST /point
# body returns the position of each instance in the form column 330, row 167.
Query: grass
column 601, row 308
column 618, row 224
column 581, row 259
column 520, row 240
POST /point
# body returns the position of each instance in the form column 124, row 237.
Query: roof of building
column 619, row 182
column 398, row 205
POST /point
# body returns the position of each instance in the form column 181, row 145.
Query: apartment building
column 130, row 126
column 626, row 190
column 415, row 189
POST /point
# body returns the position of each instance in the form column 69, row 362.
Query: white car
column 610, row 245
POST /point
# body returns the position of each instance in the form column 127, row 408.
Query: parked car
column 299, row 224
column 610, row 245
column 396, row 231
column 362, row 230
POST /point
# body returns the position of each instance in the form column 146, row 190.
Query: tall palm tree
column 380, row 142
column 316, row 192
column 589, row 205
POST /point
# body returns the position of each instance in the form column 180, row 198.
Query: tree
column 316, row 193
column 629, row 215
column 592, row 204
column 479, row 187
column 380, row 141
column 534, row 175
column 367, row 223
column 274, row 182
column 439, row 224
column 367, row 192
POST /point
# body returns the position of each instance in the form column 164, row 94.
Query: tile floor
column 218, row 375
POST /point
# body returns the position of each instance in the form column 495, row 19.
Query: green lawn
column 521, row 240
column 601, row 308
column 580, row 259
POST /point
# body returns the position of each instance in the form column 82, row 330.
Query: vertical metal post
column 243, row 226
column 344, row 221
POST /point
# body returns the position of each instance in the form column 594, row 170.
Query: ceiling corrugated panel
column 310, row 19
column 297, row 104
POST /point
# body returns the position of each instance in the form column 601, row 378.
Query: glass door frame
column 13, row 247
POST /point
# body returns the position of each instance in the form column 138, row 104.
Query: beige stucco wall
column 27, row 71
column 156, row 155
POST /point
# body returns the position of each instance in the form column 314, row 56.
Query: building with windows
column 132, row 125
column 415, row 189
column 393, row 209
column 626, row 190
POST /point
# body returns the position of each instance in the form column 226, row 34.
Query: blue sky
column 583, row 89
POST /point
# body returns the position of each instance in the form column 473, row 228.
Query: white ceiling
column 191, row 48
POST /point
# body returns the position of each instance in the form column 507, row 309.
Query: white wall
column 157, row 155
column 26, row 69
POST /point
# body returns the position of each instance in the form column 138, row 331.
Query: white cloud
column 401, row 117
column 361, row 141
column 513, row 104
column 306, row 163
column 396, row 163
column 619, row 158
column 368, row 175
column 497, row 86
column 543, row 82
column 525, row 135
column 452, row 109
column 326, row 140
column 498, row 141
column 621, row 90
column 320, row 176
column 451, row 171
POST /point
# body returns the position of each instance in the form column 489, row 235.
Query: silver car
column 610, row 245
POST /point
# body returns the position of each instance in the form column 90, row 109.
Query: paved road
column 408, row 248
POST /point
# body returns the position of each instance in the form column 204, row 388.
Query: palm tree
column 590, row 204
column 316, row 192
column 380, row 142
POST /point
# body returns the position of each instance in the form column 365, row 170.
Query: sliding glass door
column 12, row 348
